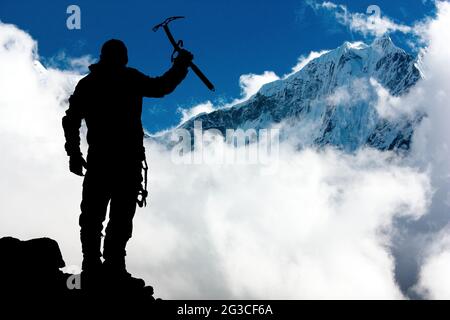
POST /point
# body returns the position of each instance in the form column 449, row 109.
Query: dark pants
column 116, row 185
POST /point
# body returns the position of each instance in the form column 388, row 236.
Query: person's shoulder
column 83, row 83
column 86, row 79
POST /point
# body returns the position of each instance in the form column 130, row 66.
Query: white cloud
column 329, row 5
column 432, row 139
column 38, row 197
column 317, row 228
column 434, row 282
column 302, row 61
column 354, row 92
column 206, row 107
column 389, row 106
column 251, row 83
column 79, row 65
column 373, row 25
column 367, row 24
column 340, row 96
column 431, row 145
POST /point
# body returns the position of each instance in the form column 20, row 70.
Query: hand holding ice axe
column 177, row 45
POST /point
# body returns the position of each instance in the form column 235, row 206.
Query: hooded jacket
column 109, row 99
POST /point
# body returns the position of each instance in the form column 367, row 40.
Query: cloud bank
column 434, row 282
column 369, row 23
column 38, row 197
column 320, row 227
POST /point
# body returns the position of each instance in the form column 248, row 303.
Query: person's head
column 114, row 52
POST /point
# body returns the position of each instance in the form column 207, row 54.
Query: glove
column 184, row 57
column 76, row 164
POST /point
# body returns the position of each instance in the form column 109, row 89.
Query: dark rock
column 30, row 271
column 32, row 265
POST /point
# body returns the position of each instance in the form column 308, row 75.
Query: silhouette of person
column 109, row 99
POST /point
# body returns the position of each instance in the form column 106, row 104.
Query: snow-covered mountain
column 332, row 100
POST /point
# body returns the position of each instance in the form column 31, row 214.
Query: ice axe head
column 177, row 46
column 166, row 22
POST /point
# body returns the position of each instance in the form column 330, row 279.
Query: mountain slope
column 331, row 101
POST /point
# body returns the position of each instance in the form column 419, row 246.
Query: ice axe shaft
column 177, row 47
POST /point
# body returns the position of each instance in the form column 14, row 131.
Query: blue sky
column 228, row 38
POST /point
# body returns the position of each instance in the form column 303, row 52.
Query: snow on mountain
column 331, row 101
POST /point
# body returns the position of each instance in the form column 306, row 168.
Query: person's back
column 113, row 107
column 109, row 99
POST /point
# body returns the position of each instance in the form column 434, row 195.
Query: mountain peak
column 384, row 44
column 356, row 58
column 330, row 100
column 358, row 45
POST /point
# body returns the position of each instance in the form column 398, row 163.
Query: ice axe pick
column 177, row 45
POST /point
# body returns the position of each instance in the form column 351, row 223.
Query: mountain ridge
column 331, row 100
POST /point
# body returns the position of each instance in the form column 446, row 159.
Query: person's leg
column 120, row 225
column 120, row 228
column 93, row 212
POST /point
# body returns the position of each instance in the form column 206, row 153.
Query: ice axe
column 177, row 45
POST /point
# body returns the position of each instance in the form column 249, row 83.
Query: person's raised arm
column 157, row 87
